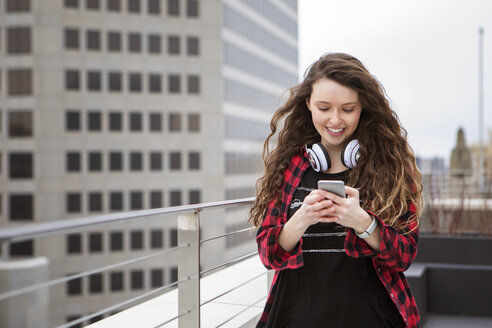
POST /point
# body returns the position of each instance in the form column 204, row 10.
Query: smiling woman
column 338, row 259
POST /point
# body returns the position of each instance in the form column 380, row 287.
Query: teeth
column 335, row 130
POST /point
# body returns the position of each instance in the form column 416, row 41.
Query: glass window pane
column 72, row 120
column 116, row 161
column 157, row 278
column 19, row 82
column 21, row 165
column 135, row 82
column 93, row 40
column 116, row 201
column 20, row 124
column 193, row 84
column 18, row 40
column 134, row 42
column 116, row 240
column 21, row 207
column 116, row 281
column 135, row 121
column 93, row 81
column 74, row 243
column 155, row 161
column 134, row 6
column 193, row 46
column 94, row 121
column 137, row 279
column 154, row 43
column 114, row 5
column 194, row 197
column 115, row 121
column 156, row 199
column 73, row 162
column 193, row 122
column 74, row 286
column 174, row 122
column 173, row 45
column 192, row 8
column 173, row 7
column 114, row 81
column 95, row 161
column 18, row 5
column 95, row 242
column 73, row 202
column 72, row 80
column 155, row 84
column 175, row 198
column 194, row 160
column 156, row 239
column 92, row 4
column 114, row 41
column 174, row 83
column 155, row 121
column 95, row 202
column 136, row 200
column 154, row 6
column 136, row 161
column 136, row 238
column 68, row 3
column 96, row 283
column 175, row 161
column 22, row 248
column 72, row 38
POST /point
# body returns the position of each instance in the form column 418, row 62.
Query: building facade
column 121, row 105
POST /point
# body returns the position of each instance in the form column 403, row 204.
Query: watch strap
column 369, row 229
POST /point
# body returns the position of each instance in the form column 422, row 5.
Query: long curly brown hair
column 386, row 173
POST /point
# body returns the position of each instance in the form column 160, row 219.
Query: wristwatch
column 369, row 229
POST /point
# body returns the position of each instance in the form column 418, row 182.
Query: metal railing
column 188, row 249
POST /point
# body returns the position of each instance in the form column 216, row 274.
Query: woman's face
column 335, row 112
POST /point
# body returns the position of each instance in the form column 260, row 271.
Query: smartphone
column 335, row 186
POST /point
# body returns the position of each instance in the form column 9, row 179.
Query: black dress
column 331, row 289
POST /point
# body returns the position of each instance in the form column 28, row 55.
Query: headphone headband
column 320, row 161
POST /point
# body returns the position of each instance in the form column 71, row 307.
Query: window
column 95, row 161
column 174, row 122
column 156, row 239
column 116, row 240
column 93, row 40
column 135, row 121
column 22, row 248
column 20, row 124
column 19, row 82
column 92, row 4
column 74, row 243
column 136, row 200
column 96, row 283
column 94, row 121
column 156, row 199
column 174, row 274
column 74, row 286
column 175, row 198
column 134, row 42
column 72, row 38
column 135, row 82
column 155, row 161
column 174, row 237
column 154, row 43
column 115, row 121
column 193, row 123
column 135, row 161
column 68, row 3
column 136, row 238
column 72, row 120
column 18, row 40
column 116, row 161
column 194, row 160
column 95, row 242
column 93, row 81
column 194, row 197
column 21, row 165
column 21, row 207
column 156, row 278
column 193, row 84
column 192, row 46
column 114, row 41
column 155, row 122
column 116, row 201
column 114, row 81
column 173, row 7
column 72, row 80
column 173, row 45
column 137, row 279
column 155, row 84
column 114, row 5
column 73, row 160
column 174, row 84
column 175, row 160
column 95, row 202
column 192, row 8
column 18, row 5
column 154, row 6
column 134, row 6
column 73, row 202
column 116, row 281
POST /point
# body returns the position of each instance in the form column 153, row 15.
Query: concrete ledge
column 162, row 308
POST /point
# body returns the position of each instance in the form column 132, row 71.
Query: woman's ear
column 307, row 103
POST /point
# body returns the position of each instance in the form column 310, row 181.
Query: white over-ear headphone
column 320, row 161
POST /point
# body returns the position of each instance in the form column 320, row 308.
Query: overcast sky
column 425, row 53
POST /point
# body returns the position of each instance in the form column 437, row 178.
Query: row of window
column 136, row 6
column 119, row 281
column 114, row 42
column 116, row 201
column 21, row 205
column 114, row 119
column 134, row 81
column 116, row 163
column 116, row 241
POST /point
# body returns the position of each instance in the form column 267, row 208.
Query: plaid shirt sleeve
column 272, row 255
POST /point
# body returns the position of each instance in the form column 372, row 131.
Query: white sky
column 424, row 52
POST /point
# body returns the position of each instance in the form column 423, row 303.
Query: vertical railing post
column 189, row 269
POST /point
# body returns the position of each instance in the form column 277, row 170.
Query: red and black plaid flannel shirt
column 396, row 254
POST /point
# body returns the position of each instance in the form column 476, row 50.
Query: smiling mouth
column 335, row 132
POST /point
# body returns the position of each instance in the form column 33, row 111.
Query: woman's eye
column 323, row 109
column 348, row 110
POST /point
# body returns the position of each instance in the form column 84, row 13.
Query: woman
column 339, row 261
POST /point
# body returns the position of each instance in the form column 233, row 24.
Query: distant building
column 119, row 105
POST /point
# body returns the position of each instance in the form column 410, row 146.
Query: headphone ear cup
column 318, row 157
column 350, row 154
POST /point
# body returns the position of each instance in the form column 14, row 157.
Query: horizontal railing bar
column 24, row 290
column 119, row 305
column 172, row 319
column 243, row 310
column 25, row 232
column 234, row 288
column 229, row 262
column 226, row 234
